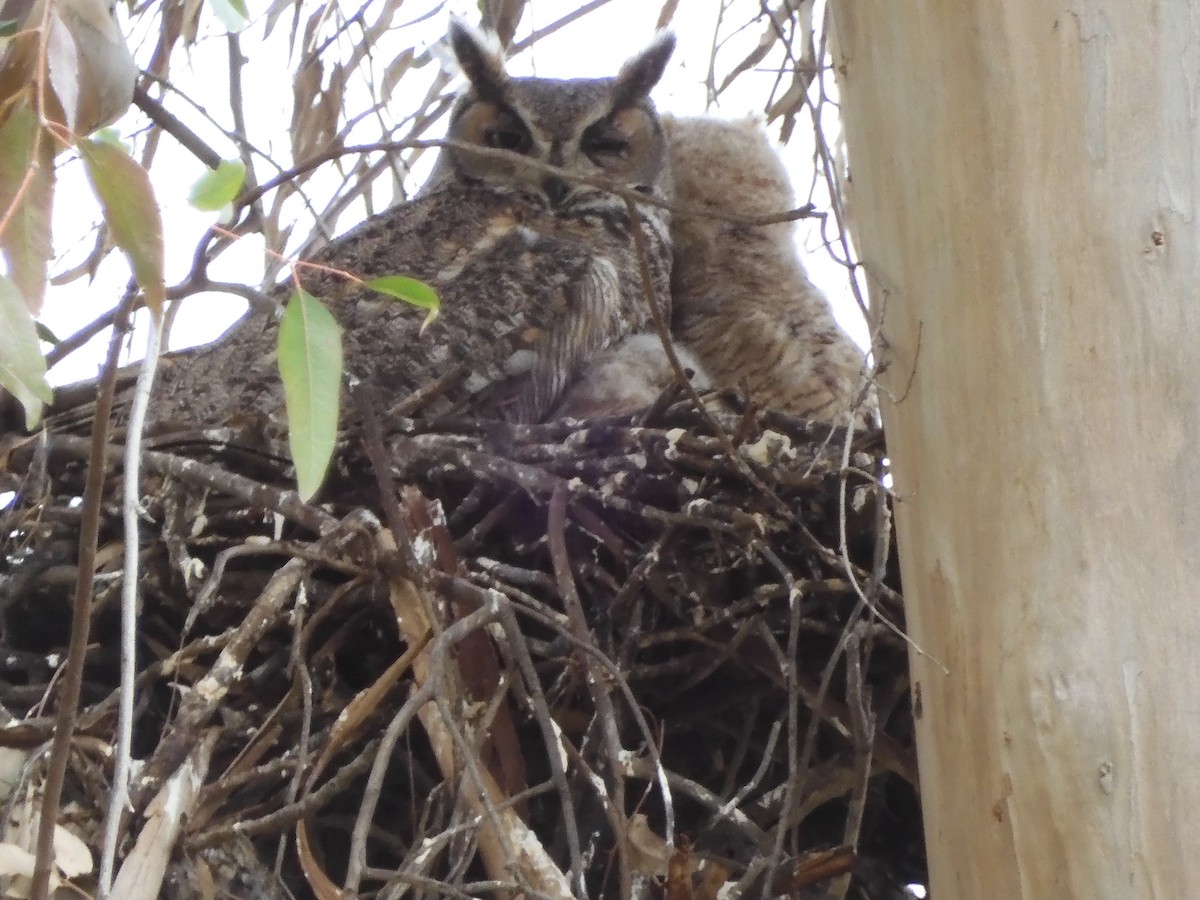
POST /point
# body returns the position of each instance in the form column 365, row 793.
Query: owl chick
column 537, row 273
column 742, row 301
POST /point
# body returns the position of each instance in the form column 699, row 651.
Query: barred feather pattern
column 538, row 272
column 742, row 300
column 529, row 295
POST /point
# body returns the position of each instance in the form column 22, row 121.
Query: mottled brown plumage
column 742, row 301
column 537, row 274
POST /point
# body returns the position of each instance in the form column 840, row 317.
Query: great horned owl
column 538, row 274
column 742, row 301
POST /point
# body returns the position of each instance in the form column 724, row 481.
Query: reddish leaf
column 131, row 212
column 62, row 64
column 26, row 192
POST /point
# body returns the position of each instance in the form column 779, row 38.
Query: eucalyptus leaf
column 22, row 366
column 232, row 13
column 218, row 187
column 26, row 197
column 45, row 334
column 131, row 211
column 310, row 364
column 411, row 291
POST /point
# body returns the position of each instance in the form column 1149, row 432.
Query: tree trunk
column 1025, row 178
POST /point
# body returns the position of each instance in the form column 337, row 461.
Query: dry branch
column 654, row 615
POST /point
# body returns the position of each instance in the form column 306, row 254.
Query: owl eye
column 606, row 146
column 515, row 140
column 605, row 141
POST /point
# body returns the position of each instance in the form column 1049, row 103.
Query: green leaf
column 109, row 135
column 9, row 27
column 411, row 291
column 45, row 334
column 310, row 364
column 131, row 212
column 22, row 366
column 232, row 13
column 26, row 195
column 217, row 187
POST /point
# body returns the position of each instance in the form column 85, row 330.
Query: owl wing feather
column 595, row 322
column 526, row 301
column 537, row 274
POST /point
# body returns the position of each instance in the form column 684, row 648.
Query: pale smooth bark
column 1025, row 180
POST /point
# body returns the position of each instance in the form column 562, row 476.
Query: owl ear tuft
column 481, row 60
column 641, row 73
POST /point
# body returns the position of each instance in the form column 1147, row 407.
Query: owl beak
column 556, row 189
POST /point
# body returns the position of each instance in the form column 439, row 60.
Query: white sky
column 596, row 45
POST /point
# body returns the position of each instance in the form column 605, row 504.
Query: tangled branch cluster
column 560, row 660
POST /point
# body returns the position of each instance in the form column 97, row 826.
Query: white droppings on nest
column 575, row 485
column 691, row 485
column 770, row 448
column 673, row 438
column 562, row 751
column 429, row 847
column 639, row 460
column 195, row 570
column 365, row 519
column 210, row 690
column 472, row 710
column 533, row 858
column 301, row 604
column 696, row 506
column 424, row 551
column 861, row 496
column 438, row 513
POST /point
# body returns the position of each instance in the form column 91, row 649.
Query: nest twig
column 554, row 659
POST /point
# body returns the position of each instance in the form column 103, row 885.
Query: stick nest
column 642, row 658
